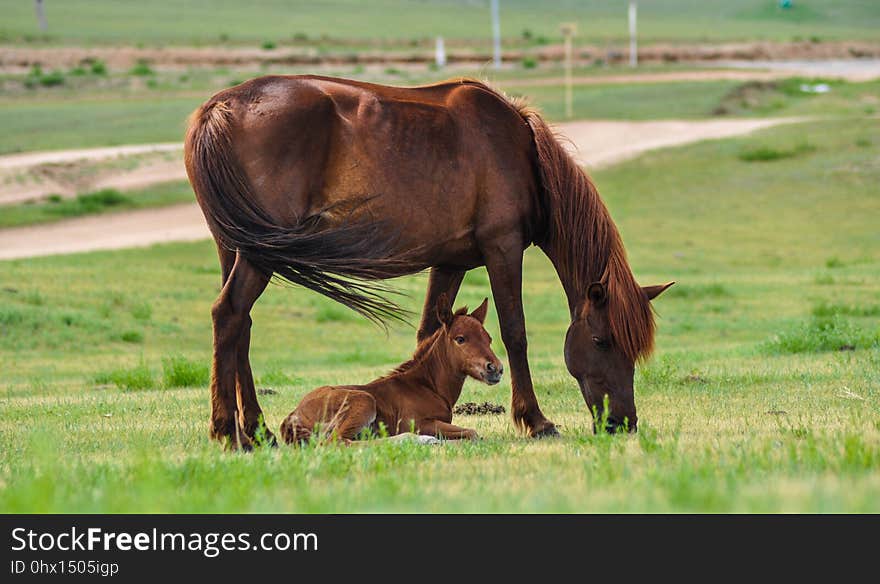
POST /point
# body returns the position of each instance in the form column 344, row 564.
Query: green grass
column 90, row 115
column 55, row 208
column 67, row 122
column 225, row 21
column 729, row 421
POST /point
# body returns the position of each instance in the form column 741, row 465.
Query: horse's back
column 438, row 161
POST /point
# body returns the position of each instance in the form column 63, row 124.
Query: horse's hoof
column 427, row 440
column 545, row 430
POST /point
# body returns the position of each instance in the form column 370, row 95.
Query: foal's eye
column 601, row 343
column 459, row 339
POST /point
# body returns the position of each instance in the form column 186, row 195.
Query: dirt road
column 593, row 143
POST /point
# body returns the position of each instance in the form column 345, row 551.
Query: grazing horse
column 418, row 396
column 335, row 185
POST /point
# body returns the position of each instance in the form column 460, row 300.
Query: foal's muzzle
column 493, row 373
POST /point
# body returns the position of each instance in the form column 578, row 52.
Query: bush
column 268, row 45
column 529, row 63
column 98, row 67
column 178, row 371
column 142, row 68
column 132, row 337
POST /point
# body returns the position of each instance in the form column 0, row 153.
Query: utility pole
column 41, row 15
column 568, row 30
column 496, row 34
column 633, row 45
column 440, row 53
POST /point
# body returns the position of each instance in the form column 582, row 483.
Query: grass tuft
column 136, row 378
column 820, row 334
column 178, row 371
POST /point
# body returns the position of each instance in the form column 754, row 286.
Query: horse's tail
column 341, row 262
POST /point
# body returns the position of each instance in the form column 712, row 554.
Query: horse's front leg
column 504, row 264
column 243, row 285
column 441, row 280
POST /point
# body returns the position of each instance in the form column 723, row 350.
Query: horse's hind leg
column 441, row 280
column 250, row 414
column 230, row 314
column 249, row 410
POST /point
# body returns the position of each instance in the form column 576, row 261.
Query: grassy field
column 215, row 21
column 764, row 394
column 80, row 118
column 56, row 208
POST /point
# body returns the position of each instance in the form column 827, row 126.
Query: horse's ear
column 653, row 292
column 444, row 313
column 480, row 311
column 597, row 293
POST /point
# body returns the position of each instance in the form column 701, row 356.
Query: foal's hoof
column 545, row 430
column 427, row 440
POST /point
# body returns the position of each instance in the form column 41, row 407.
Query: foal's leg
column 441, row 280
column 242, row 287
column 504, row 264
column 446, row 430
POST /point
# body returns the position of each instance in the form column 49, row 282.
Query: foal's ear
column 597, row 293
column 480, row 311
column 444, row 313
column 653, row 292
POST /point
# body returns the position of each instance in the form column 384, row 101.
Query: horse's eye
column 459, row 339
column 601, row 343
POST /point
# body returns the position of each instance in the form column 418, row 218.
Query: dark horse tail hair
column 584, row 242
column 341, row 262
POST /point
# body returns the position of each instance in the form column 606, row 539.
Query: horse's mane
column 422, row 349
column 582, row 239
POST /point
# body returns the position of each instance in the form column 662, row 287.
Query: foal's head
column 467, row 342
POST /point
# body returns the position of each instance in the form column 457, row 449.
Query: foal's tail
column 342, row 262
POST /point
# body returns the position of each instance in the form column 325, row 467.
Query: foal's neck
column 436, row 372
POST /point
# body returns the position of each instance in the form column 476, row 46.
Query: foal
column 417, row 396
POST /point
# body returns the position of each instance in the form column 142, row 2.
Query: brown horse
column 418, row 396
column 334, row 184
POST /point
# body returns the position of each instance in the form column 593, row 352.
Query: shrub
column 77, row 72
column 268, row 45
column 52, row 79
column 142, row 68
column 178, row 371
column 132, row 337
column 529, row 63
column 98, row 67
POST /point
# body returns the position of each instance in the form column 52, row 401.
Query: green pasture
column 230, row 21
column 81, row 117
column 764, row 393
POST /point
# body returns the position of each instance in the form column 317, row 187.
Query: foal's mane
column 582, row 240
column 422, row 348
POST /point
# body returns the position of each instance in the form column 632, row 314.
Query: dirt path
column 593, row 143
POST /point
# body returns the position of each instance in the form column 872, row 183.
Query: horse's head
column 467, row 342
column 599, row 362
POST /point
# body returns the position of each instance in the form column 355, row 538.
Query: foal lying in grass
column 417, row 396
